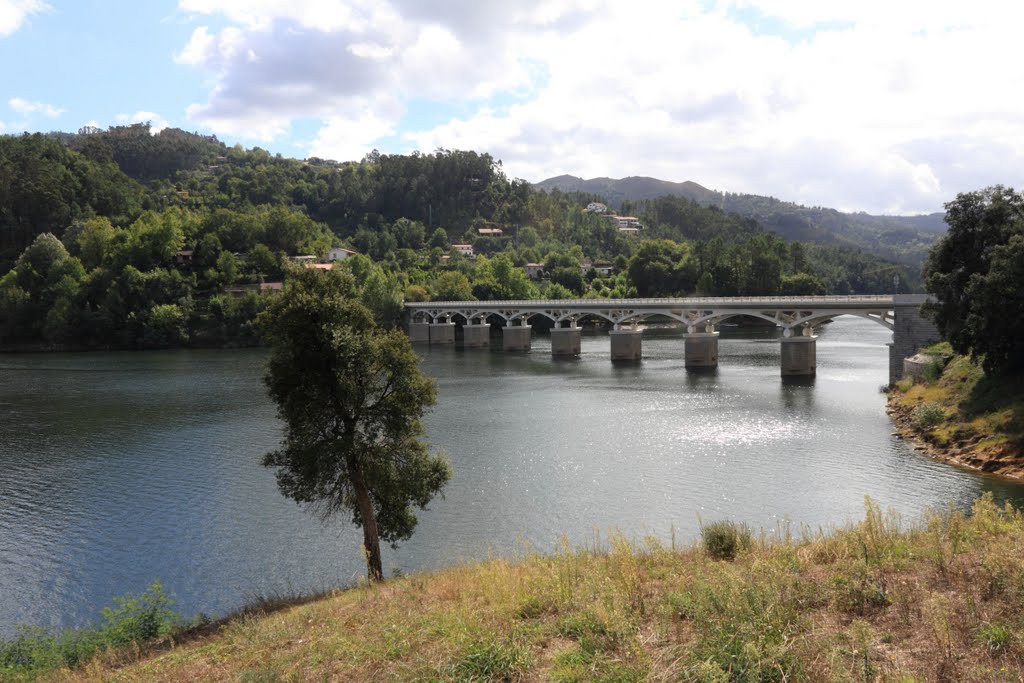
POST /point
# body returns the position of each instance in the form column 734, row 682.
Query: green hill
column 904, row 239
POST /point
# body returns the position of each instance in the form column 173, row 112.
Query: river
column 119, row 468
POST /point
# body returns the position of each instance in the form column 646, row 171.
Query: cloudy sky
column 887, row 106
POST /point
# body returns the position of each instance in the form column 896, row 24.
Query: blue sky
column 870, row 105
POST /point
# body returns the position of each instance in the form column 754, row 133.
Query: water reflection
column 119, row 468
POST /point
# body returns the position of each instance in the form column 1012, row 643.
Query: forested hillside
column 905, row 239
column 121, row 238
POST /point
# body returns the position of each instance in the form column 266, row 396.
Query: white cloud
column 156, row 122
column 880, row 106
column 14, row 12
column 350, row 137
column 26, row 108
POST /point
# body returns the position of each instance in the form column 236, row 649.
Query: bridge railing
column 671, row 301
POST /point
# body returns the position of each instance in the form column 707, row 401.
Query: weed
column 724, row 539
column 491, row 659
column 994, row 637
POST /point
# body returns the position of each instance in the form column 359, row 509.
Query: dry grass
column 942, row 601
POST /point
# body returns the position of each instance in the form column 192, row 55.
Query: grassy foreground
column 942, row 600
column 963, row 416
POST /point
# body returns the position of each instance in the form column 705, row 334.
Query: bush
column 927, row 415
column 133, row 619
column 724, row 539
column 933, row 369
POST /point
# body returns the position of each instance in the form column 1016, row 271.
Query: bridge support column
column 442, row 333
column 419, row 333
column 476, row 336
column 565, row 341
column 910, row 332
column 515, row 338
column 626, row 344
column 701, row 350
column 799, row 355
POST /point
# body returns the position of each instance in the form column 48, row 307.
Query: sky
column 885, row 106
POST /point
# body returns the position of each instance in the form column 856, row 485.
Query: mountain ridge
column 902, row 238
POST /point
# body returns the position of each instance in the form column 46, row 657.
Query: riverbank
column 938, row 601
column 958, row 415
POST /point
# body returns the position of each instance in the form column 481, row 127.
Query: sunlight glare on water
column 119, row 468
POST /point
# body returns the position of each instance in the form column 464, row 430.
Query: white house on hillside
column 464, row 249
column 339, row 254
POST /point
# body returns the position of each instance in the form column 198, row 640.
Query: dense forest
column 121, row 238
column 905, row 239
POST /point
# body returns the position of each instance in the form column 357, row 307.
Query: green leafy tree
column 801, row 284
column 959, row 272
column 439, row 239
column 500, row 279
column 351, row 397
column 452, row 286
column 996, row 321
column 661, row 268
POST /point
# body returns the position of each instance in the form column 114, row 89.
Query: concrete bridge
column 434, row 323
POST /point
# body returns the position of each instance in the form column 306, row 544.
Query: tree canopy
column 351, row 396
column 975, row 272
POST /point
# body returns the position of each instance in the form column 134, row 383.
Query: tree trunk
column 371, row 538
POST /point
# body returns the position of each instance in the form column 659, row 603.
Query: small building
column 464, row 249
column 304, row 258
column 183, row 257
column 491, row 232
column 320, row 266
column 339, row 254
column 630, row 231
column 534, row 270
column 602, row 268
column 625, row 221
column 596, row 207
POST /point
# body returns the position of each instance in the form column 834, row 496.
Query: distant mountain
column 902, row 238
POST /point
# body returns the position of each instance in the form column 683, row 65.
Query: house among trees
column 464, row 249
column 320, row 266
column 339, row 254
column 626, row 222
column 534, row 270
column 491, row 232
column 184, row 257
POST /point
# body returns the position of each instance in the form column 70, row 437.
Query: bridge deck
column 724, row 302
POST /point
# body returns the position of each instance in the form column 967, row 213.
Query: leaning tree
column 351, row 396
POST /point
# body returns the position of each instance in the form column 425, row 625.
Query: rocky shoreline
column 972, row 452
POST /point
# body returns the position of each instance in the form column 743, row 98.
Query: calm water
column 119, row 468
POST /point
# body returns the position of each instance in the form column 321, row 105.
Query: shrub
column 927, row 415
column 133, row 619
column 723, row 539
column 933, row 369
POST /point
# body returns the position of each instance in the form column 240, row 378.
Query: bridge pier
column 626, row 344
column 799, row 355
column 419, row 333
column 565, row 341
column 442, row 333
column 701, row 349
column 476, row 336
column 515, row 338
column 910, row 332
